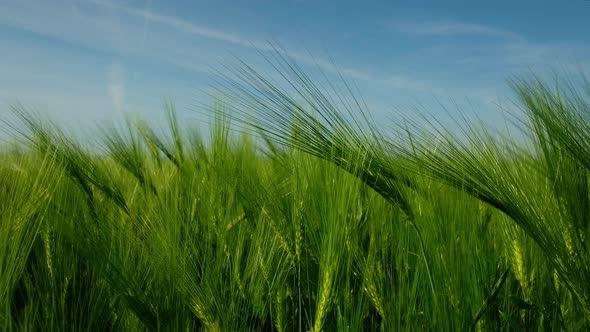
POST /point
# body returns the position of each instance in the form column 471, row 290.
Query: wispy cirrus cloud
column 183, row 26
column 452, row 28
column 496, row 48
column 116, row 86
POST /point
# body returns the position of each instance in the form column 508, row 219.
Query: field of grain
column 298, row 214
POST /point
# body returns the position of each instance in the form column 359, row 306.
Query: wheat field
column 299, row 214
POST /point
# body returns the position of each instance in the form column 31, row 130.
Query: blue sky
column 87, row 60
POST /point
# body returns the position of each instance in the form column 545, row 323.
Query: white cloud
column 452, row 28
column 498, row 52
column 180, row 24
column 393, row 81
column 116, row 87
